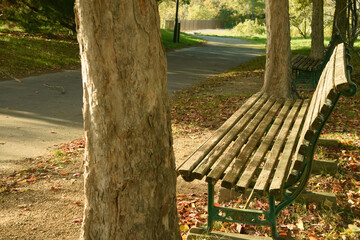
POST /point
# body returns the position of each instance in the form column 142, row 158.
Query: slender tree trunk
column 317, row 30
column 130, row 179
column 354, row 16
column 340, row 20
column 278, row 80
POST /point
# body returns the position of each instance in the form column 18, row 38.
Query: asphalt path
column 46, row 110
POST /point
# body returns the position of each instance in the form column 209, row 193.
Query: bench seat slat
column 206, row 163
column 305, row 64
column 316, row 65
column 309, row 63
column 299, row 62
column 194, row 159
column 265, row 173
column 284, row 161
column 243, row 135
column 260, row 153
column 232, row 175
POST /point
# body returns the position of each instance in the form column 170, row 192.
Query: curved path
column 36, row 114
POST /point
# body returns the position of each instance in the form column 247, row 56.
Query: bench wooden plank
column 325, row 88
column 328, row 85
column 298, row 61
column 341, row 81
column 214, row 154
column 305, row 63
column 309, row 64
column 265, row 173
column 241, row 139
column 316, row 65
column 311, row 109
column 334, row 76
column 283, row 166
column 295, row 60
column 231, row 176
column 314, row 119
column 194, row 159
column 259, row 155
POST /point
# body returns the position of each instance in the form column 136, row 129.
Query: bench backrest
column 334, row 82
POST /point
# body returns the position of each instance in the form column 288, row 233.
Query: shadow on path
column 35, row 114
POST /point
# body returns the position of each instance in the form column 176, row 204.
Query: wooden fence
column 189, row 25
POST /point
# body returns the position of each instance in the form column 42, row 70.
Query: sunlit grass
column 26, row 55
column 185, row 40
column 22, row 54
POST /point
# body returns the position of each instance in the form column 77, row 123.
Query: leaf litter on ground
column 192, row 111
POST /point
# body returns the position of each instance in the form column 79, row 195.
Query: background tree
column 277, row 79
column 300, row 17
column 317, row 30
column 130, row 179
column 353, row 16
column 231, row 12
column 340, row 19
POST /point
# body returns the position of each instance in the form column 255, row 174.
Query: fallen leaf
column 354, row 228
column 300, row 224
column 32, row 179
column 78, row 220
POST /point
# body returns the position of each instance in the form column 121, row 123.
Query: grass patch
column 22, row 54
column 186, row 40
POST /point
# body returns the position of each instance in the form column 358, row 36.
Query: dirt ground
column 49, row 204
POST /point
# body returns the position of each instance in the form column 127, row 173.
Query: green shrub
column 249, row 28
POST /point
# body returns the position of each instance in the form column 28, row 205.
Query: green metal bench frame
column 299, row 167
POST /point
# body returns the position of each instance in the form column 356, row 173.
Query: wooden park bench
column 267, row 147
column 307, row 70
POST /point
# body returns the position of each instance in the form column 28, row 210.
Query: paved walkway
column 35, row 114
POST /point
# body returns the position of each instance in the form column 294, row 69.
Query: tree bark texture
column 340, row 19
column 278, row 79
column 317, row 30
column 130, row 178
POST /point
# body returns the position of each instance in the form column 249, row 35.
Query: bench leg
column 272, row 217
column 211, row 210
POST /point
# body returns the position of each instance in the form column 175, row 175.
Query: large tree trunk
column 278, row 80
column 130, row 179
column 340, row 20
column 317, row 30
